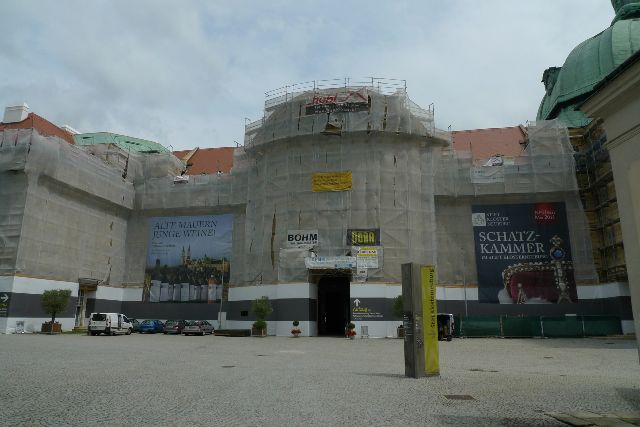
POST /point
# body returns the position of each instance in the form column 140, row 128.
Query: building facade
column 333, row 190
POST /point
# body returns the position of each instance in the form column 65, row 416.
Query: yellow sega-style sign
column 331, row 181
column 430, row 320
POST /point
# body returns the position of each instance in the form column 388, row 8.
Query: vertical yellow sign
column 430, row 320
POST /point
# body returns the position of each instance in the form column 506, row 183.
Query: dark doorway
column 333, row 305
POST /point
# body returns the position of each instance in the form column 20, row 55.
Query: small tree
column 397, row 307
column 398, row 311
column 261, row 308
column 55, row 301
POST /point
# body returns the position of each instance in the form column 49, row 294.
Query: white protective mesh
column 71, row 212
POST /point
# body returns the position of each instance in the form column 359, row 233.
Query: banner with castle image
column 523, row 254
column 188, row 258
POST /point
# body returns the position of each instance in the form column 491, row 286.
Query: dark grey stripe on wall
column 287, row 310
column 103, row 306
column 306, row 309
column 616, row 306
column 30, row 305
column 302, row 309
column 159, row 310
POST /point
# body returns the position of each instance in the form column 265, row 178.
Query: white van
column 109, row 324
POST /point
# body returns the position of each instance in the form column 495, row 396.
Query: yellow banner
column 430, row 320
column 331, row 181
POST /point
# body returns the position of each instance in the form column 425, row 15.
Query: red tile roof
column 207, row 160
column 42, row 125
column 484, row 143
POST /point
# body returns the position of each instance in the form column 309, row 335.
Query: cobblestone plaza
column 175, row 380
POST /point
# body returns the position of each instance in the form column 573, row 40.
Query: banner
column 366, row 256
column 302, row 238
column 523, row 253
column 363, row 237
column 5, row 299
column 430, row 320
column 331, row 181
column 340, row 101
column 188, row 258
column 331, row 262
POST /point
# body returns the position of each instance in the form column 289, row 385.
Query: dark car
column 136, row 325
column 151, row 326
column 173, row 327
column 197, row 327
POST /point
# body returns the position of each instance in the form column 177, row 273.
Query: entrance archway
column 333, row 305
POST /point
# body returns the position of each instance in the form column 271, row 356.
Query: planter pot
column 400, row 332
column 48, row 328
column 296, row 334
column 258, row 332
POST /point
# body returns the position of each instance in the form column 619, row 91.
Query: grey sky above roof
column 186, row 74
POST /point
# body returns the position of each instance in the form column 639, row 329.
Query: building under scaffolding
column 335, row 187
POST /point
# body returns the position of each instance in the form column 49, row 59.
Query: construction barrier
column 598, row 326
column 521, row 327
column 481, row 326
column 569, row 326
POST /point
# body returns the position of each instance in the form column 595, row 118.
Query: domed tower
column 588, row 64
column 566, row 88
column 339, row 184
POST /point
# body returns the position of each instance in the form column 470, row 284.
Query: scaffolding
column 598, row 194
column 406, row 181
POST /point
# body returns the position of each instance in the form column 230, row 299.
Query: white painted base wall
column 31, row 286
column 628, row 327
column 28, row 285
column 33, row 324
column 376, row 329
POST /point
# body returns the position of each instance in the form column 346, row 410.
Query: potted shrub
column 397, row 313
column 53, row 302
column 351, row 330
column 259, row 328
column 261, row 308
column 295, row 331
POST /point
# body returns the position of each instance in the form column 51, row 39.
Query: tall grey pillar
column 412, row 319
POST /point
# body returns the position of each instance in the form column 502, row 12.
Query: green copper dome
column 588, row 64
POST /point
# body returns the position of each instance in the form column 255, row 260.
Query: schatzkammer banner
column 188, row 258
column 523, row 253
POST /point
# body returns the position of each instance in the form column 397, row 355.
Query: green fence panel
column 521, row 326
column 561, row 326
column 600, row 326
column 456, row 326
column 481, row 326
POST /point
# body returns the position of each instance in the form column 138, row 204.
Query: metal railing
column 286, row 93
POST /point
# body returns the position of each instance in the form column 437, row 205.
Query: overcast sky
column 187, row 73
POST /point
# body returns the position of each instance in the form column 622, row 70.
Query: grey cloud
column 187, row 73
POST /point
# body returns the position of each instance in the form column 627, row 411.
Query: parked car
column 446, row 325
column 173, row 327
column 151, row 326
column 136, row 325
column 109, row 324
column 197, row 327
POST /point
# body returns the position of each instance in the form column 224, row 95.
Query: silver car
column 197, row 327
